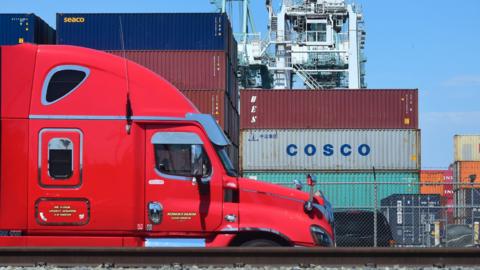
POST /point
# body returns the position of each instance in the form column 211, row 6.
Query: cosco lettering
column 345, row 150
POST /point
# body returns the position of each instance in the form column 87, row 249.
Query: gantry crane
column 320, row 42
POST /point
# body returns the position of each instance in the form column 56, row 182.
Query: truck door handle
column 155, row 212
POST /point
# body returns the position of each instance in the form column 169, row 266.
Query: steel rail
column 124, row 257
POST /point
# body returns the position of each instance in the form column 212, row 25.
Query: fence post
column 375, row 206
column 476, row 227
column 472, row 213
column 437, row 233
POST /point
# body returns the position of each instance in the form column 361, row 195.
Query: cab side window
column 176, row 152
column 61, row 81
column 60, row 158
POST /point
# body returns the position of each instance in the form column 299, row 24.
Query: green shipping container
column 352, row 190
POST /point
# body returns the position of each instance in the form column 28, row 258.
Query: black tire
column 260, row 243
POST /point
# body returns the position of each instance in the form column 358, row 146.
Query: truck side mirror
column 298, row 184
column 198, row 169
column 310, row 180
column 308, row 206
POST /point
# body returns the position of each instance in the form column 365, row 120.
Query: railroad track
column 124, row 257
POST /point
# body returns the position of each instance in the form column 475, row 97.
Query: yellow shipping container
column 467, row 147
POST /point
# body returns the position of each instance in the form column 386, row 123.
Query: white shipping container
column 330, row 149
column 467, row 147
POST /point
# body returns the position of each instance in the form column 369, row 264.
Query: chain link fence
column 398, row 210
column 375, row 215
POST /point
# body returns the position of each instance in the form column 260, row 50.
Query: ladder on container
column 309, row 80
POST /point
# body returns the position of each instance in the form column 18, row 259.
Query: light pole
column 472, row 178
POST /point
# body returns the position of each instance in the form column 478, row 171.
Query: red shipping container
column 319, row 109
column 190, row 70
column 445, row 189
column 448, row 187
column 216, row 103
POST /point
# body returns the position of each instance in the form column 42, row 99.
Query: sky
column 432, row 45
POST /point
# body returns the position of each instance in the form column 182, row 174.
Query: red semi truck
column 99, row 151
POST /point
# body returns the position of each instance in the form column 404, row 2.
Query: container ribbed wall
column 190, row 70
column 145, row 31
column 348, row 189
column 342, row 108
column 467, row 147
column 466, row 174
column 329, row 149
column 24, row 28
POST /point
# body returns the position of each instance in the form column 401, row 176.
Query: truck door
column 176, row 201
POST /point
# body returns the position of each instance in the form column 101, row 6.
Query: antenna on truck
column 128, row 109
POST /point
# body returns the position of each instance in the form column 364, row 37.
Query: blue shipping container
column 467, row 201
column 412, row 217
column 146, row 31
column 24, row 28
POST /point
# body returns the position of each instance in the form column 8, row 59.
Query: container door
column 176, row 201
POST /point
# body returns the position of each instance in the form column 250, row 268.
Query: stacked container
column 411, row 217
column 439, row 182
column 360, row 144
column 24, row 28
column 196, row 52
column 436, row 182
column 466, row 175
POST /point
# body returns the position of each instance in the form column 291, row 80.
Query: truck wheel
column 260, row 243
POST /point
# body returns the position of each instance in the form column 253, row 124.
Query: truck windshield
column 222, row 152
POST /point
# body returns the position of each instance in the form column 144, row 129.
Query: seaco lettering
column 329, row 150
column 74, row 20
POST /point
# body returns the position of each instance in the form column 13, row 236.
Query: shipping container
column 467, row 147
column 340, row 108
column 190, row 70
column 232, row 151
column 406, row 209
column 436, row 182
column 232, row 121
column 448, row 208
column 233, row 89
column 448, row 187
column 216, row 103
column 146, row 31
column 468, row 197
column 329, row 149
column 412, row 217
column 418, row 235
column 430, row 184
column 25, row 28
column 466, row 174
column 467, row 203
column 350, row 190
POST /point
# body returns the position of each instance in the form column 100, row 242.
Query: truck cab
column 99, row 151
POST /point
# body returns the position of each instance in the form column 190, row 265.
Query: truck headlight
column 320, row 236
